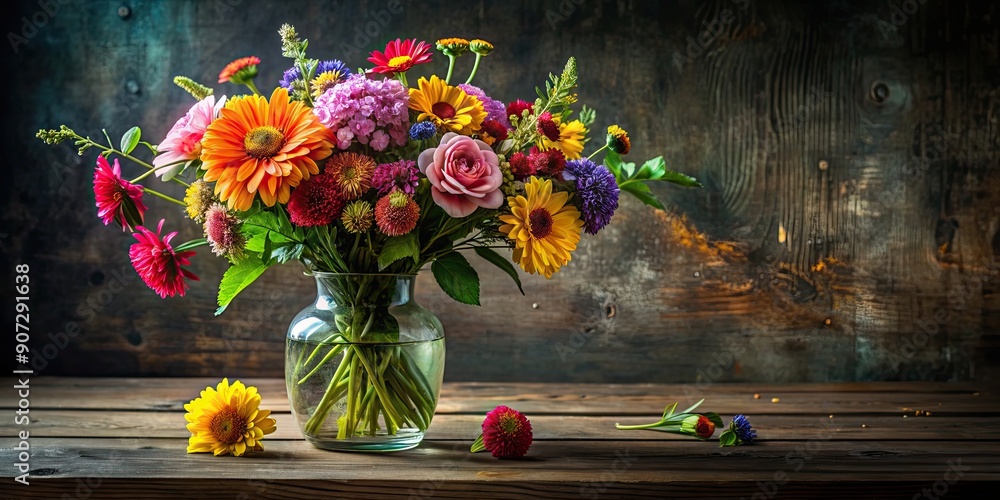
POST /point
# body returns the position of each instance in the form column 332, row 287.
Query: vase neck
column 363, row 290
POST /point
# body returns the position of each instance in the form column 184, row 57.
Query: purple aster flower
column 744, row 431
column 373, row 112
column 396, row 176
column 598, row 192
column 421, row 131
column 495, row 110
column 290, row 76
column 335, row 66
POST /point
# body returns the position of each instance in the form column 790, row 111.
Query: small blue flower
column 422, row 131
column 744, row 431
column 290, row 76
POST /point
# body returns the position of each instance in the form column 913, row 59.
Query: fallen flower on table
column 506, row 433
column 739, row 432
column 227, row 420
column 700, row 425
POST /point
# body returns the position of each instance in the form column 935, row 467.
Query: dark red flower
column 548, row 163
column 316, row 202
column 117, row 199
column 517, row 107
column 705, row 427
column 158, row 264
column 548, row 127
column 520, row 166
column 495, row 129
column 506, row 432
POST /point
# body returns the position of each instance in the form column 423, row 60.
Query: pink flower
column 464, row 174
column 183, row 143
column 506, row 433
column 117, row 199
column 157, row 263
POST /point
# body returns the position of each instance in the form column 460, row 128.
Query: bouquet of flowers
column 360, row 174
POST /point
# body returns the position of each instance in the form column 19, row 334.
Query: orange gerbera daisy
column 256, row 146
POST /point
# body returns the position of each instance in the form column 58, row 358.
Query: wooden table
column 125, row 438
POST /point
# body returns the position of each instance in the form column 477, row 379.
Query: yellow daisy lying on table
column 227, row 420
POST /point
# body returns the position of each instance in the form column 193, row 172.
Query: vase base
column 369, row 444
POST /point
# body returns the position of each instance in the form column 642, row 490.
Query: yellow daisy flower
column 570, row 139
column 227, row 420
column 544, row 226
column 448, row 107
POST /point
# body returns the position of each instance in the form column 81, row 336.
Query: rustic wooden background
column 847, row 231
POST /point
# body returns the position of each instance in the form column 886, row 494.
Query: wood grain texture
column 847, row 231
column 103, row 452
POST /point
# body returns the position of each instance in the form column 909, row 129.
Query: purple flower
column 744, row 431
column 373, row 112
column 495, row 110
column 396, row 176
column 290, row 76
column 598, row 192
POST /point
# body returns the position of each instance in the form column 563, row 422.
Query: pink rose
column 464, row 174
column 183, row 143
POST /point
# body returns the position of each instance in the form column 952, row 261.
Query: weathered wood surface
column 137, row 454
column 847, row 230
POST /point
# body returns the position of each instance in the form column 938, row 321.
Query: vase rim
column 327, row 274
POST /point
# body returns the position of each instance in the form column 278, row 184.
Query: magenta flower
column 117, row 199
column 183, row 143
column 464, row 174
column 396, row 176
column 158, row 264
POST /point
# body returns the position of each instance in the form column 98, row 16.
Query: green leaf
column 500, row 261
column 680, row 179
column 692, row 407
column 715, row 418
column 263, row 226
column 643, row 193
column 287, row 251
column 652, row 169
column 669, row 410
column 728, row 438
column 130, row 140
column 238, row 277
column 457, row 278
column 265, row 255
column 398, row 248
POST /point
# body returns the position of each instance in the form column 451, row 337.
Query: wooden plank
column 564, row 461
column 155, row 489
column 532, row 398
column 135, row 424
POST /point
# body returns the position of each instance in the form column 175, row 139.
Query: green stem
column 252, row 87
column 605, row 146
column 195, row 243
column 402, row 79
column 475, row 68
column 639, row 427
column 451, row 67
column 163, row 196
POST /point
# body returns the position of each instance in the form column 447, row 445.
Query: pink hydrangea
column 372, row 112
column 464, row 174
column 183, row 143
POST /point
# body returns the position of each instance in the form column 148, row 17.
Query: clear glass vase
column 364, row 364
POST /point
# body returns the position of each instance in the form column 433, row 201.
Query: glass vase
column 364, row 364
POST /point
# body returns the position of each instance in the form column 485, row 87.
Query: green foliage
column 457, row 278
column 398, row 248
column 633, row 180
column 502, row 262
column 587, row 116
column 197, row 90
column 130, row 140
column 238, row 277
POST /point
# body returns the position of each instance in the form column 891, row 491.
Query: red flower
column 517, row 107
column 506, row 433
column 396, row 213
column 244, row 63
column 496, row 130
column 157, row 263
column 520, row 166
column 400, row 56
column 549, row 163
column 316, row 202
column 548, row 127
column 704, row 428
column 117, row 199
